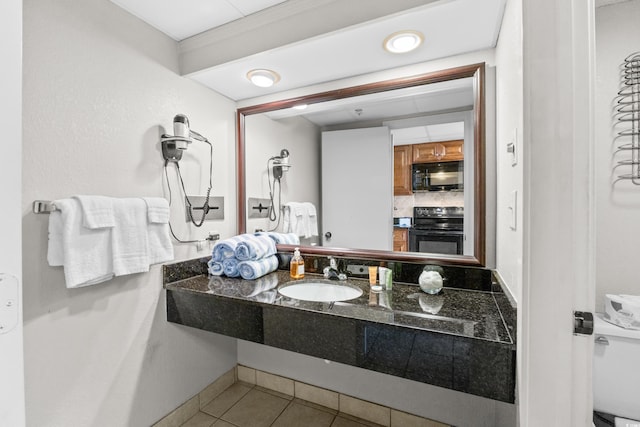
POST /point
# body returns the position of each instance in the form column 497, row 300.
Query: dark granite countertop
column 460, row 312
column 461, row 339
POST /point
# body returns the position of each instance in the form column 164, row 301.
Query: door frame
column 12, row 405
column 554, row 373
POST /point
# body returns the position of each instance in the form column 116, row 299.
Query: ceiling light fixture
column 300, row 107
column 263, row 77
column 403, row 41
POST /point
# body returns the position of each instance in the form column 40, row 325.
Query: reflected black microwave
column 440, row 176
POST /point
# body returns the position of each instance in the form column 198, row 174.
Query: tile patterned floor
column 246, row 405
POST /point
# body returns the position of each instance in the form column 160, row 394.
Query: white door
column 357, row 189
column 558, row 261
column 11, row 360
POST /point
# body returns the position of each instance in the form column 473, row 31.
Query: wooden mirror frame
column 477, row 72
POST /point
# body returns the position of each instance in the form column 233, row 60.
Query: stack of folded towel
column 96, row 238
column 300, row 219
column 282, row 239
column 249, row 256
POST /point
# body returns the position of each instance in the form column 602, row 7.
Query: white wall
column 509, row 123
column 11, row 337
column 265, row 138
column 618, row 204
column 99, row 89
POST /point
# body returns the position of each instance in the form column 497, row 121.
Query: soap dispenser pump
column 296, row 266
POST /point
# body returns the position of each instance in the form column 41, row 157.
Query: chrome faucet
column 332, row 272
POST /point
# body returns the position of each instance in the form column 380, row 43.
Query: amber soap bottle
column 296, row 266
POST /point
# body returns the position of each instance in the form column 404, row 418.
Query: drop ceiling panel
column 185, row 18
column 247, row 7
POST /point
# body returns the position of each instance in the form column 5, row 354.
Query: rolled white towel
column 215, row 268
column 250, row 270
column 230, row 267
column 255, row 247
column 225, row 248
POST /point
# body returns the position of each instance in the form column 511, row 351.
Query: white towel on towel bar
column 158, row 237
column 85, row 253
column 139, row 236
column 97, row 211
column 129, row 237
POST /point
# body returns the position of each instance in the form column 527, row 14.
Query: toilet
column 616, row 374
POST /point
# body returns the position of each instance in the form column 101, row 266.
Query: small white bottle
column 296, row 266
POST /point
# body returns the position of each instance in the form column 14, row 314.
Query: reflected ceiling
column 400, row 103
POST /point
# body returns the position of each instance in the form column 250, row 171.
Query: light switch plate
column 216, row 208
column 512, row 147
column 8, row 302
column 513, row 210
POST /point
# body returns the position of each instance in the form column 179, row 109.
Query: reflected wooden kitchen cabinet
column 402, row 170
column 445, row 151
column 400, row 239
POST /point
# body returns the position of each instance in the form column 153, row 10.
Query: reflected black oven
column 438, row 242
column 438, row 230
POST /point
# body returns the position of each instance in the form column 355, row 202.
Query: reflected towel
column 281, row 238
column 230, row 267
column 295, row 219
column 255, row 247
column 267, row 297
column 312, row 219
column 253, row 269
column 215, row 268
column 263, row 284
column 300, row 219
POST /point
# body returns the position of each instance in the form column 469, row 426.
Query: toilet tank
column 616, row 370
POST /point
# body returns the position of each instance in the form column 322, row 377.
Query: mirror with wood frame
column 250, row 145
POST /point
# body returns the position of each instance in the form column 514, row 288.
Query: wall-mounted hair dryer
column 172, row 146
column 280, row 163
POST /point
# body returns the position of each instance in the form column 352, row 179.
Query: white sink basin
column 320, row 291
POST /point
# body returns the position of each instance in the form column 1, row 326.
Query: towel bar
column 43, row 207
column 627, row 115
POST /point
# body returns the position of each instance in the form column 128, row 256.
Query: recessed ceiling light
column 300, row 107
column 263, row 78
column 403, row 41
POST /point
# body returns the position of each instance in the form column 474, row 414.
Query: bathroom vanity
column 461, row 339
